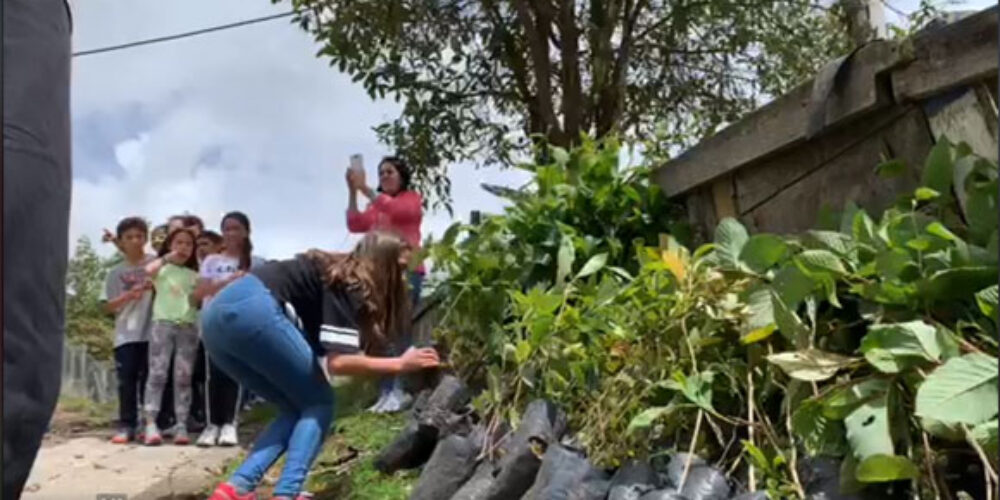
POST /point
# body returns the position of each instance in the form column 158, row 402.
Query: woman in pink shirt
column 393, row 207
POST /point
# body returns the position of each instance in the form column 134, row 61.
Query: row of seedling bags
column 463, row 460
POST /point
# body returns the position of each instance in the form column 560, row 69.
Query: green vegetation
column 874, row 342
column 86, row 322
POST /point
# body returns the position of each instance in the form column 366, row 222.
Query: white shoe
column 227, row 436
column 209, row 437
column 377, row 407
column 398, row 400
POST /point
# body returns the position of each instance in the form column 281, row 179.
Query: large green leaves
column 885, row 468
column 937, row 173
column 987, row 301
column 820, row 434
column 868, row 425
column 963, row 390
column 762, row 251
column 810, row 365
column 894, row 347
column 730, row 238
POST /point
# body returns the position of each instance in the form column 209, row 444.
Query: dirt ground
column 77, row 460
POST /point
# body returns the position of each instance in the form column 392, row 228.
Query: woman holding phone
column 281, row 328
column 394, row 207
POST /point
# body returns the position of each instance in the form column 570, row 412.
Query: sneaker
column 226, row 491
column 152, row 436
column 398, row 400
column 209, row 437
column 227, row 436
column 181, row 437
column 123, row 436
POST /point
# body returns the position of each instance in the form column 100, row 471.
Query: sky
column 244, row 119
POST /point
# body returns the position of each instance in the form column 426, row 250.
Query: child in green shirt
column 174, row 333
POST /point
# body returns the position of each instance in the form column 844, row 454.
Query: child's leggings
column 168, row 338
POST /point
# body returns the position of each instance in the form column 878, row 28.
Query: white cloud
column 245, row 119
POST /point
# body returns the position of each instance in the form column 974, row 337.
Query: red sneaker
column 226, row 491
column 122, row 437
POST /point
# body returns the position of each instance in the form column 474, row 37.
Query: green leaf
column 963, row 390
column 890, row 263
column 648, row 416
column 863, row 228
column 762, row 251
column 937, row 173
column 596, row 263
column 696, row 388
column 892, row 348
column 823, row 260
column 987, row 301
column 792, row 285
column 959, row 283
column 522, row 352
column 835, row 242
column 567, row 254
column 811, row 365
column 986, row 435
column 819, row 434
column 760, row 323
column 559, row 155
column 730, row 238
column 942, row 430
column 926, row 194
column 868, row 425
column 884, row 468
column 938, row 229
column 789, row 323
column 891, row 169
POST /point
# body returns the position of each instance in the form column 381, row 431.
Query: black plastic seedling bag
column 477, row 487
column 664, row 494
column 542, row 424
column 756, row 495
column 703, row 482
column 633, row 480
column 451, row 464
column 433, row 416
column 821, row 479
column 449, row 395
column 411, row 449
column 567, row 475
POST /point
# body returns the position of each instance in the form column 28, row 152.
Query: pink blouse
column 402, row 213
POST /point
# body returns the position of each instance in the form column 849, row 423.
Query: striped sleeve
column 339, row 340
column 339, row 331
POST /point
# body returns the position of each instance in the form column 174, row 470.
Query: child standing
column 128, row 295
column 207, row 243
column 174, row 333
column 223, row 392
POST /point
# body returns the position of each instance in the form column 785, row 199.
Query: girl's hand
column 419, row 359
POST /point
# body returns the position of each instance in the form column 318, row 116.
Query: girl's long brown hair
column 372, row 271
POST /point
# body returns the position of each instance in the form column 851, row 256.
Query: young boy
column 208, row 243
column 128, row 295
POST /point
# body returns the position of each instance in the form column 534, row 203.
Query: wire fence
column 85, row 377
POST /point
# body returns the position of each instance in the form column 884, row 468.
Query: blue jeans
column 248, row 335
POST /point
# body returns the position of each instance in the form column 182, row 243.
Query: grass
column 343, row 469
column 73, row 415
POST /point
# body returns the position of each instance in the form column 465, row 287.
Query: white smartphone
column 357, row 163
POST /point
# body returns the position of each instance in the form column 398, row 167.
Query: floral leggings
column 168, row 338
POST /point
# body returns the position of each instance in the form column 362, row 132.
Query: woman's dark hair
column 402, row 167
column 247, row 244
column 211, row 236
column 132, row 223
column 192, row 262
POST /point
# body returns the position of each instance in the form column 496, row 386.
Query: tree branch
column 536, row 31
column 572, row 105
